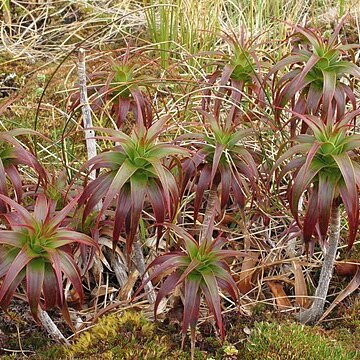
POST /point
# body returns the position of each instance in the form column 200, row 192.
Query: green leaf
column 125, row 172
column 190, row 244
column 328, row 92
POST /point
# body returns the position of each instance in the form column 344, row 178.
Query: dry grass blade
column 248, row 268
column 7, row 102
column 282, row 300
column 55, row 27
column 301, row 293
column 127, row 289
column 351, row 287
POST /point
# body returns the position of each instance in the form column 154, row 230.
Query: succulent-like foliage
column 318, row 80
column 37, row 248
column 118, row 91
column 240, row 75
column 121, row 89
column 13, row 154
column 221, row 160
column 201, row 269
column 135, row 172
column 326, row 167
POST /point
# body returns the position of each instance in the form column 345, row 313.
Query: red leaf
column 64, row 236
column 218, row 152
column 328, row 93
column 349, row 194
column 325, row 202
column 123, row 175
column 305, row 175
column 202, row 185
column 191, row 303
column 122, row 210
column 299, row 81
column 51, row 288
column 162, row 173
column 56, row 220
column 225, row 184
column 5, row 300
column 56, row 263
column 138, row 190
column 12, row 238
column 212, row 297
column 156, row 199
column 41, row 209
column 72, row 272
column 195, row 263
column 6, row 259
column 25, row 215
column 168, row 264
column 18, row 265
column 15, row 179
column 166, row 288
column 98, row 193
column 311, row 217
column 34, row 283
column 226, row 282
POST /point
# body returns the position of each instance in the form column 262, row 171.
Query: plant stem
column 209, row 216
column 311, row 315
column 140, row 265
column 50, row 327
column 86, row 110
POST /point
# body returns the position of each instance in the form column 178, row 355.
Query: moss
column 125, row 336
column 293, row 341
column 347, row 330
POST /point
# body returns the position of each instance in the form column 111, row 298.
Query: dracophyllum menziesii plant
column 201, row 270
column 221, row 161
column 117, row 90
column 134, row 172
column 239, row 80
column 326, row 173
column 13, row 155
column 37, row 253
column 319, row 80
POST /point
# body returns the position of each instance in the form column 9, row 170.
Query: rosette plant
column 240, row 75
column 135, row 171
column 200, row 269
column 37, row 251
column 221, row 160
column 319, row 77
column 326, row 171
column 13, row 154
column 120, row 90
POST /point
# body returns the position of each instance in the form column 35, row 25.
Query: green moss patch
column 292, row 341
